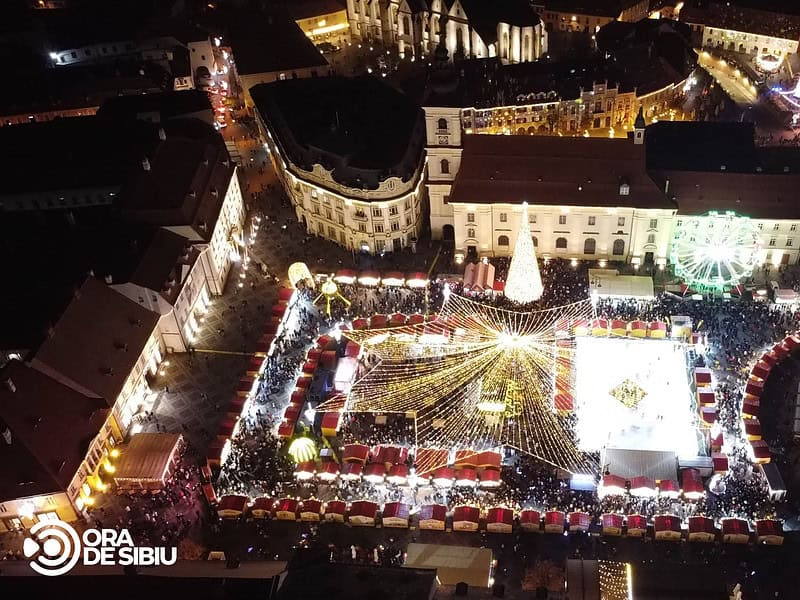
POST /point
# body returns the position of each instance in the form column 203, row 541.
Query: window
column 406, row 204
column 470, row 217
column 589, row 246
column 471, row 233
column 776, row 227
column 378, row 227
column 561, row 243
column 444, row 166
column 342, row 238
column 340, row 219
column 771, row 241
column 592, row 221
column 502, row 240
column 332, row 233
column 395, row 225
column 651, row 238
column 362, row 228
column 321, row 228
column 441, row 125
column 619, row 248
column 314, row 194
column 620, row 221
column 679, row 222
column 316, row 209
column 789, row 242
column 761, row 226
column 393, row 211
column 531, row 218
column 377, row 212
column 793, row 227
column 408, row 221
column 503, row 217
column 624, row 189
column 380, row 245
column 653, row 223
column 535, row 241
column 328, row 214
column 339, row 205
column 562, row 219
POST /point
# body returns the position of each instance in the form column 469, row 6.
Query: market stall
column 499, row 519
column 530, row 520
column 769, row 532
column 579, row 521
column 232, row 506
column 466, row 518
column 611, row 524
column 396, row 514
column 433, row 517
column 286, row 509
column 335, row 511
column 735, row 531
column 702, row 529
column 667, row 527
column 147, row 461
column 362, row 513
column 554, row 521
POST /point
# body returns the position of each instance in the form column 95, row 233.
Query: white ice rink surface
column 663, row 420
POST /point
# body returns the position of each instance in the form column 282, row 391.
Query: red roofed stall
column 761, row 369
column 735, row 531
column 355, row 453
column 554, row 521
column 393, row 279
column 611, row 485
column 262, row 507
column 760, row 453
column 362, row 513
column 286, row 509
column 750, row 407
column 579, row 521
column 369, row 278
column 396, row 514
column 433, row 517
column 359, row 324
column 398, row 475
column 637, row 525
column 702, row 529
column 375, row 473
column 752, row 428
column 328, row 360
column 444, row 477
column 754, row 387
column 377, row 321
column 466, row 478
column 638, row 329
column 305, row 471
column 692, row 484
column 416, row 280
column 328, row 471
column 331, row 421
column 490, row 478
column 352, row 349
column 769, row 531
column 254, row 365
column 530, row 520
column 334, row 511
column 310, row 510
column 286, row 429
column 427, row 460
column 643, row 486
column 345, row 276
column 499, row 520
column 416, row 319
column 352, row 471
column 232, row 506
column 612, row 524
column 397, row 320
column 668, row 488
column 667, row 527
column 720, row 462
column 466, row 518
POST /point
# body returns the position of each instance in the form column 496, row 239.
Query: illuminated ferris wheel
column 715, row 251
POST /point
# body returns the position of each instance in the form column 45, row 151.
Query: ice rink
column 653, row 370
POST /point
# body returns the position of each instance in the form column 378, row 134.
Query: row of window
column 589, row 245
column 562, row 220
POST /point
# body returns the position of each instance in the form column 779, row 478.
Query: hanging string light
column 477, row 377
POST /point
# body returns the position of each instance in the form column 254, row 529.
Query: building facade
column 572, row 16
column 368, row 200
column 507, row 29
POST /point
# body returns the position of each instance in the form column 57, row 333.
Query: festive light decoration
column 524, row 282
column 330, row 291
column 615, row 580
column 477, row 377
column 714, row 252
column 302, row 450
column 629, row 393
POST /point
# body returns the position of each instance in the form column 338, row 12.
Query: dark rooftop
column 600, row 8
column 306, row 9
column 166, row 105
column 269, row 42
column 162, row 266
column 43, row 454
column 484, row 16
column 763, row 17
column 362, row 119
column 578, row 171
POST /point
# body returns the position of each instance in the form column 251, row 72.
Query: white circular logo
column 55, row 545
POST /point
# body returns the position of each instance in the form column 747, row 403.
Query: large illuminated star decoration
column 476, row 377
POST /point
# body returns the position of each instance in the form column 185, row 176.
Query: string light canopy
column 524, row 282
column 330, row 292
column 477, row 377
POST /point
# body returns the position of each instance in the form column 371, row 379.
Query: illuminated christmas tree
column 524, row 282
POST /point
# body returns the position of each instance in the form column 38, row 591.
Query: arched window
column 406, row 25
column 442, row 124
column 619, row 248
column 502, row 240
column 471, row 233
column 535, row 241
column 561, row 243
column 589, row 246
column 444, row 166
column 505, row 45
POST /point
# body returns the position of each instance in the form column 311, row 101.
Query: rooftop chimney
column 162, row 135
column 146, row 164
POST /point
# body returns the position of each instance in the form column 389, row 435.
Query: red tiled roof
column 569, row 171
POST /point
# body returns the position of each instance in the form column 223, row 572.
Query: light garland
column 524, row 282
column 477, row 377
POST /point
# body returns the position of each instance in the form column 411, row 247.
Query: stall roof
column 147, row 456
column 453, row 564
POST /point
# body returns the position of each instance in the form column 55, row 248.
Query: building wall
column 47, row 115
column 566, row 21
column 491, row 229
column 91, row 52
column 248, row 81
column 740, row 41
column 201, row 54
column 227, row 239
column 23, row 513
column 331, row 27
column 443, row 144
column 136, row 394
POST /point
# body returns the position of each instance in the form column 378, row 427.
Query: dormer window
column 624, row 189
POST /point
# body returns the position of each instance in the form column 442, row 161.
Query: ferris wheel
column 715, row 251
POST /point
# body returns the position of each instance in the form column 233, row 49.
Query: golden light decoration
column 629, row 393
column 329, row 291
column 615, row 580
column 302, row 449
column 477, row 377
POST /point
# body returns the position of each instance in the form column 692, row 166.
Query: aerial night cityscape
column 400, row 299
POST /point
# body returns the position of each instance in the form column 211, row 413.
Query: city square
column 340, row 298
